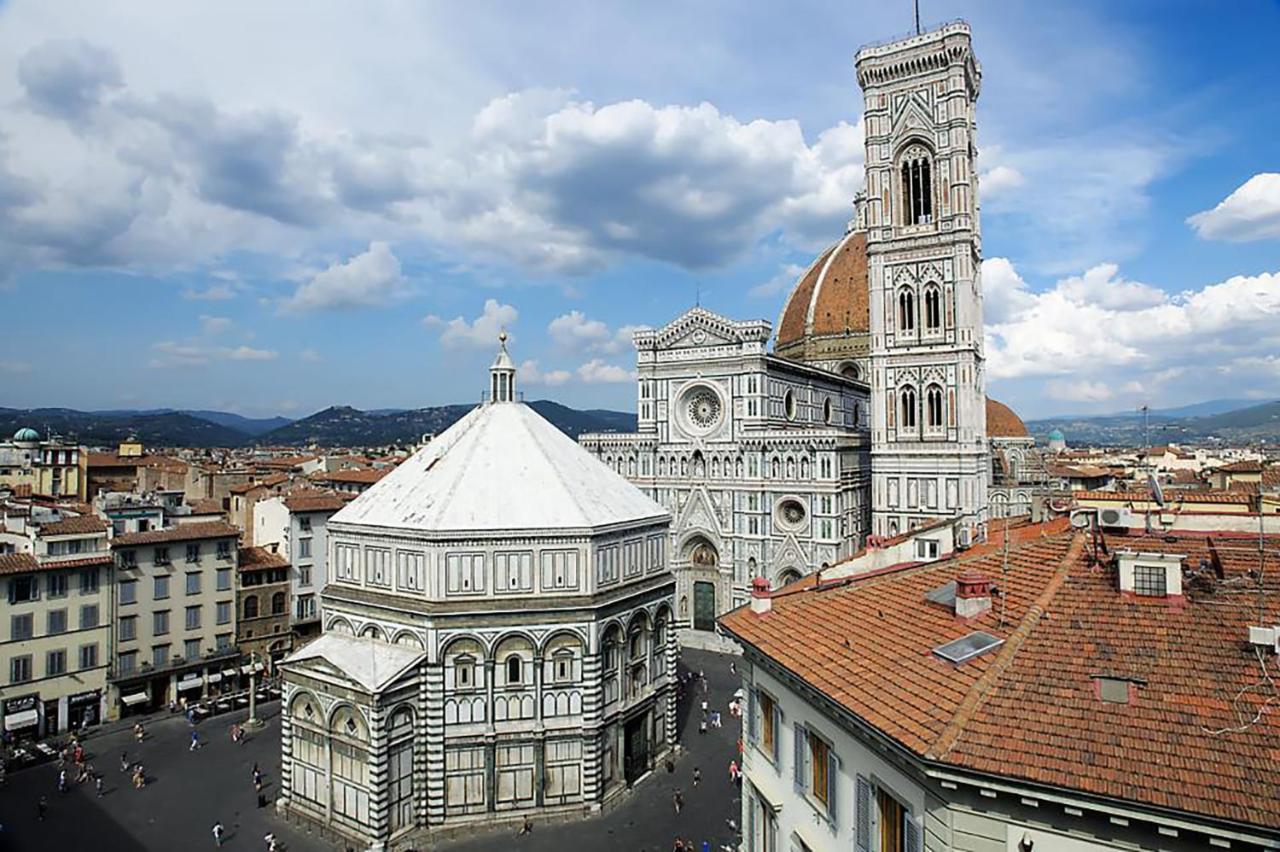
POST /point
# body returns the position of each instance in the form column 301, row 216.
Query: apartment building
column 174, row 614
column 295, row 524
column 262, row 597
column 54, row 650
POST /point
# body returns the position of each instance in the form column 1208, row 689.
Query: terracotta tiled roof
column 361, row 475
column 1003, row 423
column 1271, row 478
column 1085, row 471
column 266, row 482
column 1242, row 466
column 1028, row 709
column 207, row 506
column 831, row 298
column 1169, row 496
column 259, row 558
column 182, row 532
column 18, row 563
column 1182, row 476
column 72, row 526
column 113, row 460
column 314, row 501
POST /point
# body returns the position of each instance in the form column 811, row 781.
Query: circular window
column 702, row 408
column 791, row 513
column 789, row 405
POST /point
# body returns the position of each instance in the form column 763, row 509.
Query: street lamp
column 253, row 721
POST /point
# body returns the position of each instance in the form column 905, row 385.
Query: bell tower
column 929, row 456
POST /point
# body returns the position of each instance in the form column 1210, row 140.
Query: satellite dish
column 1156, row 491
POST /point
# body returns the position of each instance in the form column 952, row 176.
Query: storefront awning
column 135, row 699
column 191, row 683
column 215, row 677
column 21, row 719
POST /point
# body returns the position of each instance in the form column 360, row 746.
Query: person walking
column 124, row 761
column 138, row 733
column 677, row 800
column 62, row 780
column 97, row 785
column 257, row 780
column 526, row 827
column 697, row 776
column 195, row 741
column 733, row 772
column 217, row 833
column 272, row 844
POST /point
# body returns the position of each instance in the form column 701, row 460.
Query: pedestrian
column 217, row 834
column 679, row 846
column 97, row 784
column 62, row 780
column 733, row 667
column 702, row 725
column 195, row 741
column 733, row 771
column 697, row 776
column 42, row 808
column 526, row 827
column 257, row 780
column 138, row 733
column 271, row 842
column 124, row 761
column 704, row 706
column 671, row 766
column 677, row 800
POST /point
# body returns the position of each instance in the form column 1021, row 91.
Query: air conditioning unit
column 1119, row 517
column 964, row 538
column 1265, row 637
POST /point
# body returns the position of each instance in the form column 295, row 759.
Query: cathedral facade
column 762, row 461
column 498, row 638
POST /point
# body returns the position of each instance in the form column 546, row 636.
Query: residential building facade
column 295, row 525
column 262, row 597
column 174, row 614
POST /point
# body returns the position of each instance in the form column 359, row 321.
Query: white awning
column 21, row 719
column 189, row 683
column 135, row 698
column 215, row 677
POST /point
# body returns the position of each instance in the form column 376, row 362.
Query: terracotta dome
column 1003, row 423
column 831, row 298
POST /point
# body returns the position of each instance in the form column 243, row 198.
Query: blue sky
column 272, row 210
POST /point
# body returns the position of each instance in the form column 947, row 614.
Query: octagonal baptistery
column 826, row 319
column 496, row 637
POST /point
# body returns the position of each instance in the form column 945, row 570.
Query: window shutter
column 752, row 703
column 833, row 789
column 777, row 728
column 801, row 752
column 910, row 834
column 862, row 803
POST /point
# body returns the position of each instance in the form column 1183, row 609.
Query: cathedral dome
column 1003, row 423
column 26, row 435
column 828, row 304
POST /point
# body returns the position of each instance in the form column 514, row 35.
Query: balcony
column 176, row 663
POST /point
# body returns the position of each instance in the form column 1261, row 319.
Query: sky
column 270, row 208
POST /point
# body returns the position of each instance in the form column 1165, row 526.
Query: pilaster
column 428, row 761
column 591, row 745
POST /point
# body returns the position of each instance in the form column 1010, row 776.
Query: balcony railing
column 147, row 668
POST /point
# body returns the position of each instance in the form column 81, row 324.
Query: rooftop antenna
column 917, row 4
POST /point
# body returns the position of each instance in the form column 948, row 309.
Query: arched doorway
column 787, row 577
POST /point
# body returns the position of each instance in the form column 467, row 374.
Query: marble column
column 428, row 755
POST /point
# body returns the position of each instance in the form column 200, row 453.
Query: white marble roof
column 501, row 467
column 369, row 662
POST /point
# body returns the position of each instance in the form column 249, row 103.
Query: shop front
column 22, row 717
column 84, row 710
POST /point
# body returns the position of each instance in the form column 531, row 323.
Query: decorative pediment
column 323, row 669
column 700, row 328
column 699, row 513
column 791, row 554
column 913, row 118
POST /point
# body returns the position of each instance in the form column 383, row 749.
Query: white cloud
column 482, row 332
column 170, row 353
column 214, row 325
column 1252, row 212
column 782, row 282
column 575, row 332
column 529, row 373
column 597, row 371
column 212, row 293
column 1098, row 337
column 998, row 180
column 370, row 279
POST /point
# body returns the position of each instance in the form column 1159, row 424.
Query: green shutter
column 801, row 753
column 862, row 805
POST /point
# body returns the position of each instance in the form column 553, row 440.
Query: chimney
column 973, row 594
column 761, row 596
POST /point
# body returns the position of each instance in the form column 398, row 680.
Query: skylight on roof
column 966, row 648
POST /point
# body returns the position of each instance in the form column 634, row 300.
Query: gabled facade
column 761, row 461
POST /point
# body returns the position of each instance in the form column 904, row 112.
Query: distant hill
column 1251, row 423
column 347, row 426
column 338, row 426
column 156, row 428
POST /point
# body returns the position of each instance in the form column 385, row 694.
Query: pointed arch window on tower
column 932, row 308
column 906, row 310
column 917, row 187
column 933, row 407
column 907, row 396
